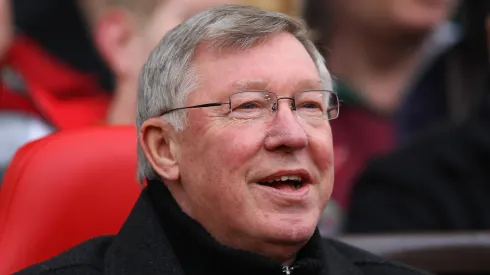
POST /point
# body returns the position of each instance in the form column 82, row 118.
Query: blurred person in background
column 440, row 181
column 54, row 72
column 374, row 49
column 50, row 68
column 49, row 73
column 450, row 87
column 124, row 33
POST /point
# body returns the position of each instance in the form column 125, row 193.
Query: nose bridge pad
column 274, row 107
column 292, row 106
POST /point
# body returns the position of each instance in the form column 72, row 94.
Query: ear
column 160, row 146
column 115, row 34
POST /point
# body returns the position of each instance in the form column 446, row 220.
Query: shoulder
column 366, row 262
column 84, row 259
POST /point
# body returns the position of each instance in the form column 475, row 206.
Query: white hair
column 168, row 76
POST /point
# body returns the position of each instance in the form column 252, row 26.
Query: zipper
column 287, row 269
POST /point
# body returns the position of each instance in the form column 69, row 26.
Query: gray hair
column 168, row 76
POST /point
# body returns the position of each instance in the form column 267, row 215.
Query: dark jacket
column 449, row 83
column 143, row 248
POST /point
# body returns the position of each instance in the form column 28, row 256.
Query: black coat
column 142, row 248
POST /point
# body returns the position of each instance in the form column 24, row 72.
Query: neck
column 377, row 66
column 123, row 105
column 209, row 256
column 281, row 252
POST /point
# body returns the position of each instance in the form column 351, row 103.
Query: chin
column 291, row 230
column 422, row 22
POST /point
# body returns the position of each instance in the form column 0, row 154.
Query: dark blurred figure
column 440, row 182
column 451, row 87
column 373, row 49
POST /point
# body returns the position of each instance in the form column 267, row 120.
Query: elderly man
column 234, row 139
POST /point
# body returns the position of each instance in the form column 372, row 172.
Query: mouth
column 287, row 182
column 284, row 182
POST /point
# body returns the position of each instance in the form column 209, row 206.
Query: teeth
column 285, row 178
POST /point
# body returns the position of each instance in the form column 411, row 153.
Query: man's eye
column 249, row 105
column 310, row 105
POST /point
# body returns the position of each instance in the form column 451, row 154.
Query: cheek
column 223, row 151
column 236, row 149
column 221, row 162
column 322, row 149
column 323, row 158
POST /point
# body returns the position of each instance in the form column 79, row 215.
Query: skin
column 213, row 166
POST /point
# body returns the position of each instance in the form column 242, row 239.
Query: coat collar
column 141, row 247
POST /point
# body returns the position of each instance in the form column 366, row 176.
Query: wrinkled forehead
column 264, row 84
column 283, row 70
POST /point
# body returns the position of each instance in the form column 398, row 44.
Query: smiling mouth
column 285, row 183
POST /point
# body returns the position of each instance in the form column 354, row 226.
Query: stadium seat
column 63, row 189
column 438, row 252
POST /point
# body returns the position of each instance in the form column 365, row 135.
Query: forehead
column 260, row 84
column 279, row 64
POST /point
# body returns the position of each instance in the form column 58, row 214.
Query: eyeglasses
column 308, row 105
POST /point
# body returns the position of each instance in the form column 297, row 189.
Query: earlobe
column 160, row 147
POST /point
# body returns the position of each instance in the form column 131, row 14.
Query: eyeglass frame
column 293, row 105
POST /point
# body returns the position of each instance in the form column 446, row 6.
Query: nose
column 285, row 134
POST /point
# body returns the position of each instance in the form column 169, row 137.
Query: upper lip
column 305, row 176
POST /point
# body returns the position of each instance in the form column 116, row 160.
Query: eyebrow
column 309, row 84
column 251, row 85
column 263, row 85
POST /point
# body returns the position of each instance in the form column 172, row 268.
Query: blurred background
column 412, row 142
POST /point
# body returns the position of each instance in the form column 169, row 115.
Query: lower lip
column 295, row 194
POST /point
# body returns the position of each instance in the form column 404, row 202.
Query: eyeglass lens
column 309, row 105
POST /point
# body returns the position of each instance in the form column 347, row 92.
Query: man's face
column 415, row 15
column 6, row 29
column 222, row 160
